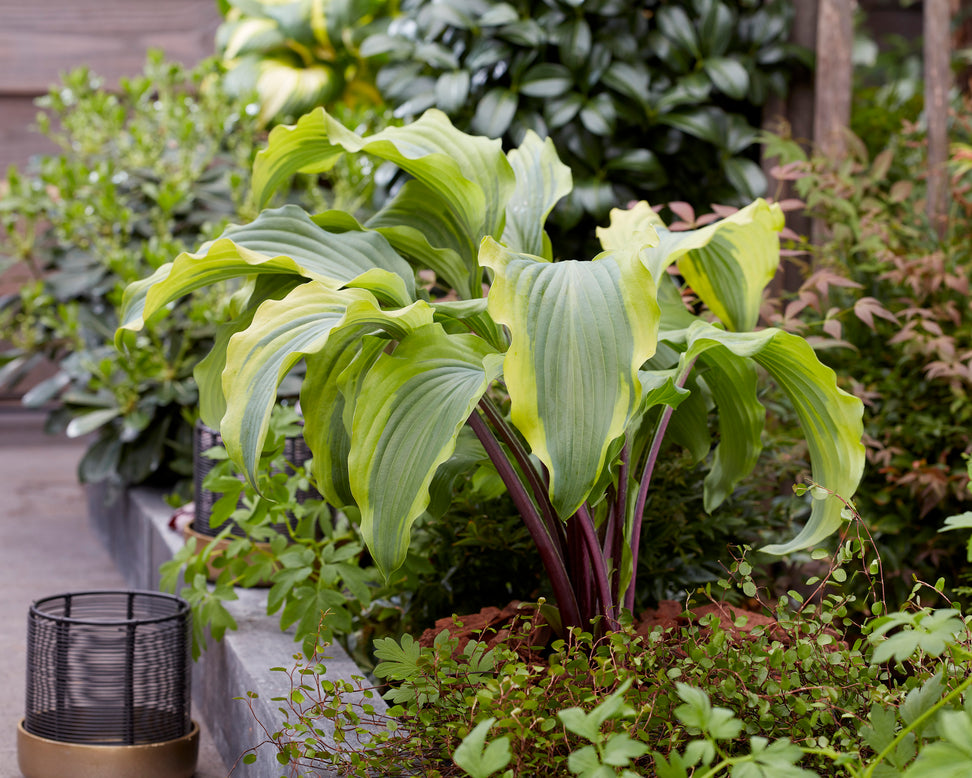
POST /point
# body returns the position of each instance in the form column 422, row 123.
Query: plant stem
column 639, row 511
column 601, row 580
column 579, row 570
column 553, row 562
column 555, row 526
column 614, row 532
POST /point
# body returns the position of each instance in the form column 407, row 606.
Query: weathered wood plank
column 41, row 39
column 938, row 79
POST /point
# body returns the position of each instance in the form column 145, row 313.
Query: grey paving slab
column 47, row 548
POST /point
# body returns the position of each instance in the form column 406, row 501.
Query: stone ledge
column 134, row 526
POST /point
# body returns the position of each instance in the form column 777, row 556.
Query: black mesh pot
column 296, row 453
column 109, row 668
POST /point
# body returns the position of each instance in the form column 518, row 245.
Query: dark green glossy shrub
column 653, row 100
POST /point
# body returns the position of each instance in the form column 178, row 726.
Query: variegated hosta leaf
column 468, row 457
column 208, row 372
column 407, row 416
column 413, row 242
column 659, row 388
column 727, row 263
column 579, row 332
column 289, row 87
column 635, row 225
column 474, row 315
column 281, row 333
column 419, row 221
column 541, row 180
column 675, row 317
column 732, row 383
column 344, row 256
column 249, row 35
column 831, row 419
column 283, row 240
column 470, row 173
column 689, row 424
column 322, row 401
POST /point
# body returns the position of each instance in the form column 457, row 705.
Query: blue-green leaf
column 281, row 333
column 407, row 416
column 541, row 180
column 830, row 418
column 580, row 331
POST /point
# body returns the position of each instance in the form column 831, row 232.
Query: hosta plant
column 568, row 374
column 296, row 54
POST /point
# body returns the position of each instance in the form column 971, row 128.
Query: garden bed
column 134, row 526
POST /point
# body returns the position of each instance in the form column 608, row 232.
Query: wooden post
column 833, row 84
column 796, row 110
column 938, row 79
column 962, row 39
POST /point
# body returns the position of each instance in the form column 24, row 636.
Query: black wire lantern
column 109, row 668
column 108, row 688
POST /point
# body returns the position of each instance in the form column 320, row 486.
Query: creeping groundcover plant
column 568, row 373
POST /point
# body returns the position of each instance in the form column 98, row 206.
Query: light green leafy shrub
column 142, row 173
column 793, row 697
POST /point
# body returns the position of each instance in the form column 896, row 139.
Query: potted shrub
column 569, row 373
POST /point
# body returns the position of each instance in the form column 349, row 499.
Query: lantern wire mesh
column 295, row 452
column 109, row 668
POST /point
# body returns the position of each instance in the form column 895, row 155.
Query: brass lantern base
column 39, row 757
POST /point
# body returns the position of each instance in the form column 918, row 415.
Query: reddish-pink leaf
column 724, row 210
column 792, row 171
column 900, row 190
column 823, row 279
column 683, row 211
column 832, row 327
column 793, row 308
column 867, row 308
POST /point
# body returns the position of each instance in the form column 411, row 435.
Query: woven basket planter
column 204, row 438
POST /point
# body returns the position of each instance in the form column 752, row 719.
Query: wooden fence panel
column 40, row 39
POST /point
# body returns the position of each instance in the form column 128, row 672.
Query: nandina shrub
column 887, row 307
